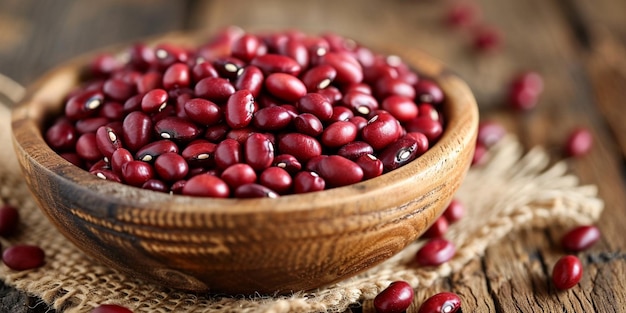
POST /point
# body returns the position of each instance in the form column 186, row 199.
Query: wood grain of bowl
column 243, row 246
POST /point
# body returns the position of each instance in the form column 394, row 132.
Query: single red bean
column 396, row 298
column 202, row 112
column 250, row 78
column 360, row 87
column 360, row 102
column 580, row 238
column 227, row 153
column 421, row 139
column 295, row 49
column 206, row 185
column 306, row 181
column 277, row 179
column 177, row 187
column 176, row 76
column 388, row 86
column 112, row 110
column 110, row 308
column 132, row 104
column 141, row 56
column 438, row 229
column 61, row 136
column 331, row 93
column 23, row 257
column 216, row 133
column 567, row 272
column 203, row 70
column 87, row 147
column 154, row 101
column 117, row 160
column 136, row 173
column 199, row 153
column 402, row 108
column 435, row 252
column 151, row 151
column 427, row 91
column 338, row 171
column 427, row 110
column 9, row 220
column 228, row 67
column 155, row 185
column 285, row 86
column 287, row 162
column 349, row 70
column 316, row 104
column 308, row 124
column 398, row 153
column 254, row 191
column 84, row 104
column 432, row 129
column 176, row 128
column 149, row 81
column 444, row 302
column 371, row 166
column 579, row 142
column 272, row 118
column 301, row 146
column 490, row 132
column 338, row 134
column 276, row 63
column 241, row 134
column 487, row 39
column 480, row 154
column 246, row 47
column 311, row 164
column 238, row 174
column 215, row 89
column 118, row 89
column 107, row 141
column 104, row 64
column 341, row 113
column 319, row 77
column 454, row 211
column 100, row 164
column 525, row 90
column 259, row 152
column 171, row 167
column 355, row 149
column 239, row 109
column 381, row 130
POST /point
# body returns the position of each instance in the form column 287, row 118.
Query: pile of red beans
column 248, row 115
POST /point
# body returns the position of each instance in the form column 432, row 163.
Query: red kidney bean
column 61, row 136
column 155, row 185
column 246, row 47
column 104, row 64
column 355, row 149
column 241, row 134
column 319, row 77
column 432, row 129
column 387, row 86
column 567, row 272
column 238, row 174
column 203, row 70
column 316, row 104
column 349, row 71
column 580, row 238
column 381, row 130
column 154, row 101
column 296, row 50
column 438, row 229
column 461, row 15
column 99, row 165
column 216, row 133
column 359, row 102
column 443, row 302
column 110, row 308
column 228, row 67
column 421, row 139
column 167, row 54
column 524, row 91
column 199, row 153
column 287, row 162
column 9, row 220
column 311, row 164
column 398, row 153
column 277, row 179
column 136, row 173
column 112, row 110
column 227, row 153
column 487, row 39
column 579, row 142
column 259, row 151
column 202, row 112
column 137, row 130
column 338, row 171
column 331, row 93
column 301, row 146
column 276, row 63
column 149, row 81
column 84, row 104
column 306, row 181
column 23, row 257
column 454, row 211
column 427, row 110
column 360, row 87
column 87, row 147
column 205, row 185
column 428, row 91
column 239, row 109
column 215, row 89
column 396, row 298
column 176, row 128
column 152, row 150
column 371, row 166
column 254, row 191
column 171, row 166
column 435, row 252
column 176, row 76
column 490, row 132
column 338, row 134
column 73, row 158
column 141, row 56
column 107, row 141
column 133, row 103
column 272, row 118
column 308, row 124
column 341, row 113
column 117, row 160
column 358, row 121
column 285, row 86
column 250, row 78
column 177, row 187
column 118, row 89
column 402, row 108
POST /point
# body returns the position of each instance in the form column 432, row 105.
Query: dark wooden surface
column 579, row 47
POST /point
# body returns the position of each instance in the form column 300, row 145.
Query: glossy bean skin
column 238, row 174
column 381, row 130
column 177, row 75
column 9, row 219
column 319, row 77
column 349, row 71
column 567, row 272
column 120, row 157
column 454, row 211
column 287, row 162
column 90, row 125
column 580, row 238
column 171, row 166
column 259, row 152
column 151, row 151
column 246, row 47
column 199, row 153
column 435, row 252
column 316, row 104
column 371, row 166
column 308, row 124
column 398, row 153
column 227, row 153
column 107, row 141
column 206, row 185
column 215, row 89
column 202, row 111
column 402, row 108
column 338, row 134
column 396, row 298
column 154, row 101
column 239, row 109
column 338, row 171
column 276, row 63
column 438, row 229
column 136, row 173
column 355, row 149
column 87, row 147
column 137, row 130
column 360, row 102
column 203, row 70
column 443, row 302
column 285, row 86
column 61, row 136
column 277, row 179
column 254, row 191
column 301, row 146
column 250, row 78
column 84, row 104
column 428, row 91
column 155, row 185
column 272, row 118
column 389, row 86
column 432, row 129
column 23, row 257
column 176, row 128
column 306, row 181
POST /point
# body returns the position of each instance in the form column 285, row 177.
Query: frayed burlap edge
column 510, row 191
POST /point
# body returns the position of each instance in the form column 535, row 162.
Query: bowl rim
column 461, row 123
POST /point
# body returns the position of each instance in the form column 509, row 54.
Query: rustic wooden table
column 578, row 46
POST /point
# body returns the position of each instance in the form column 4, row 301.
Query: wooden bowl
column 243, row 246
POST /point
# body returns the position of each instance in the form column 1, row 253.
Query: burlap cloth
column 511, row 191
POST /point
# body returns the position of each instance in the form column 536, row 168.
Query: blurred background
column 577, row 46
